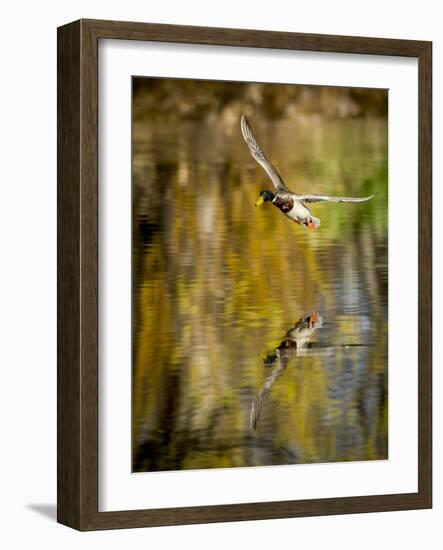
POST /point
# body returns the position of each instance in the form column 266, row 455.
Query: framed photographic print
column 244, row 275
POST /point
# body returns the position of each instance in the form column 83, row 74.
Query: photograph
column 259, row 274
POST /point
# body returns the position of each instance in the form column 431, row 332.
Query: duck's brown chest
column 285, row 204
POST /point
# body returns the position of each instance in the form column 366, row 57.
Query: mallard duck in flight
column 291, row 204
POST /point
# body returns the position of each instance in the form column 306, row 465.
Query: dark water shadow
column 48, row 511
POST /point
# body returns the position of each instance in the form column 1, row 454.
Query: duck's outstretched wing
column 257, row 404
column 259, row 156
column 328, row 198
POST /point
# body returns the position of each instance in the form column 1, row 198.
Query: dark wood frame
column 77, row 455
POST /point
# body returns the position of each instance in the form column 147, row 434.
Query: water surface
column 218, row 283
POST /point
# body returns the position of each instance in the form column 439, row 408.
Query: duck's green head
column 265, row 196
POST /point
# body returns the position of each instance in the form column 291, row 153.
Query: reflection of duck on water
column 296, row 342
column 291, row 204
